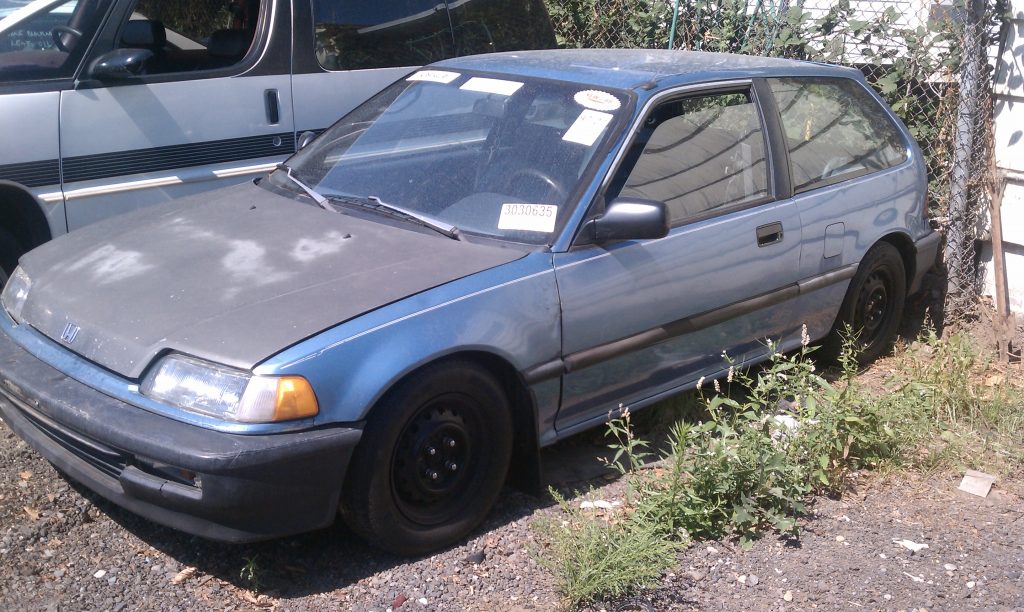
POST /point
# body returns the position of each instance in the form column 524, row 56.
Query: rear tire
column 432, row 460
column 873, row 306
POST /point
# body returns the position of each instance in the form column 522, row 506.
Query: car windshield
column 49, row 41
column 489, row 155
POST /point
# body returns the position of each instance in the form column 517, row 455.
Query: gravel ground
column 64, row 548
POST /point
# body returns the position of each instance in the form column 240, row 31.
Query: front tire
column 432, row 460
column 873, row 306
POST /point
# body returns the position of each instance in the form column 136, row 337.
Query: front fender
column 510, row 311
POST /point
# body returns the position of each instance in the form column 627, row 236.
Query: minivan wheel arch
column 21, row 215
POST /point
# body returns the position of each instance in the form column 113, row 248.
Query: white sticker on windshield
column 492, row 86
column 588, row 127
column 528, row 217
column 597, row 100
column 436, row 76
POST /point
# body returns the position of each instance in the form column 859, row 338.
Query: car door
column 644, row 317
column 212, row 105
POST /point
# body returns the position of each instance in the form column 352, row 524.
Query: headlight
column 16, row 293
column 230, row 394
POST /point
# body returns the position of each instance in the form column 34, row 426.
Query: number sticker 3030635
column 528, row 217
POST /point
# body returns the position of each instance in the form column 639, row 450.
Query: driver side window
column 699, row 154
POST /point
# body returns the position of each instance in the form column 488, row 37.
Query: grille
column 107, row 460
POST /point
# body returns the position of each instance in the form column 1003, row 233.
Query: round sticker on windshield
column 597, row 100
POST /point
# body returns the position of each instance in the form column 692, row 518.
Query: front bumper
column 927, row 249
column 221, row 486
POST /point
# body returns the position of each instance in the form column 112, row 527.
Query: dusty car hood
column 233, row 275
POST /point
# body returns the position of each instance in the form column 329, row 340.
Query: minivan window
column 49, row 44
column 834, row 131
column 186, row 35
column 699, row 154
column 355, row 34
column 485, row 26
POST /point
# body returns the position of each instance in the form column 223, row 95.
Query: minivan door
column 211, row 105
column 39, row 57
column 643, row 317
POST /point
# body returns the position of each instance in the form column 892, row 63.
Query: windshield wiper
column 319, row 199
column 375, row 203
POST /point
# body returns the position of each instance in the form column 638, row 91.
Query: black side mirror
column 304, row 139
column 119, row 64
column 630, row 219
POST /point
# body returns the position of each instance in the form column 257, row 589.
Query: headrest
column 229, row 43
column 143, row 34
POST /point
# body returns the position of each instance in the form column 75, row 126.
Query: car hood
column 233, row 276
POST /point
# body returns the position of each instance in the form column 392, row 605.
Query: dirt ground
column 63, row 548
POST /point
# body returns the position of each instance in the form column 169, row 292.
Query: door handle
column 769, row 234
column 273, row 106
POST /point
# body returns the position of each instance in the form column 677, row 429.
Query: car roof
column 633, row 68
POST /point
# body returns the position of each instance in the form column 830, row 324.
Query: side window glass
column 185, row 36
column 501, row 25
column 834, row 130
column 50, row 43
column 355, row 34
column 699, row 154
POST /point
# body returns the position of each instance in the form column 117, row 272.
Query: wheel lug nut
column 433, row 475
column 449, row 442
column 451, row 466
column 431, row 451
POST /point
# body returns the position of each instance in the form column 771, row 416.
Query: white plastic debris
column 949, row 567
column 599, row 504
column 913, row 577
column 910, row 545
column 100, row 574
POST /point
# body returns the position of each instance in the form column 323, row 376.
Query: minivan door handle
column 769, row 234
column 273, row 106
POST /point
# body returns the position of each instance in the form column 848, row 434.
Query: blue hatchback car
column 492, row 254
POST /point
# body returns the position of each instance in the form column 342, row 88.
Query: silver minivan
column 107, row 106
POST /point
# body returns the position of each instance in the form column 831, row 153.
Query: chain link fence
column 928, row 59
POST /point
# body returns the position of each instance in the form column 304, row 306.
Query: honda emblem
column 70, row 333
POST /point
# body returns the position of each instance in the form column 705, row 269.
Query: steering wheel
column 58, row 33
column 540, row 177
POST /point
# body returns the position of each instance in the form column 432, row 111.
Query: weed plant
column 770, row 439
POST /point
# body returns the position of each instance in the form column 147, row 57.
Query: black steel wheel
column 873, row 306
column 432, row 460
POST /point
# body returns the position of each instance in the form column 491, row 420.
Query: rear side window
column 834, row 130
column 699, row 155
column 356, row 34
column 188, row 35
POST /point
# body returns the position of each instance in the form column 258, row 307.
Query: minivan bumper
column 229, row 487
column 927, row 249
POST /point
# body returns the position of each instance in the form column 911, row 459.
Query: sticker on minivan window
column 492, row 86
column 435, row 76
column 587, row 128
column 597, row 100
column 528, row 217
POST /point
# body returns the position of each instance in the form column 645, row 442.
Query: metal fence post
column 959, row 254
